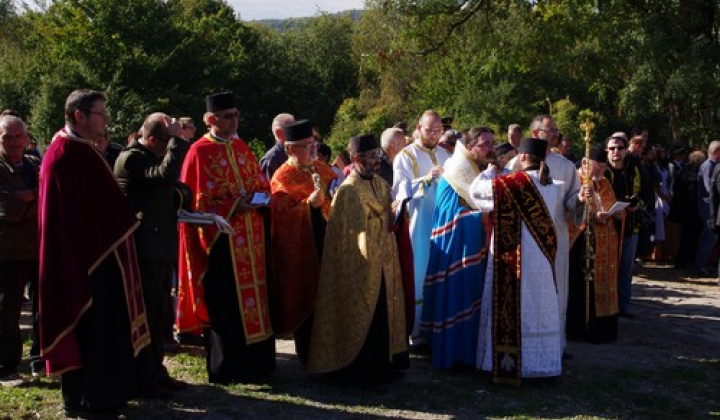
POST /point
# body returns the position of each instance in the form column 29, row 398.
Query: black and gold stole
column 517, row 200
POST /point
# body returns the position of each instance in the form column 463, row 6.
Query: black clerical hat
column 299, row 130
column 598, row 154
column 219, row 101
column 362, row 144
column 533, row 146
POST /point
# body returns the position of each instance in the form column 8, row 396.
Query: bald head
column 430, row 128
column 155, row 126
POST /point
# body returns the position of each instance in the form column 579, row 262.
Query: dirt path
column 659, row 369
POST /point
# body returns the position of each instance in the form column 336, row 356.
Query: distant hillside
column 291, row 23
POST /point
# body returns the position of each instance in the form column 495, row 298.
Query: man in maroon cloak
column 92, row 317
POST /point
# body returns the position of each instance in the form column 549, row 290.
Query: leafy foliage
column 652, row 63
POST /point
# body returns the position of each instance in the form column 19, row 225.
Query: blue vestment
column 454, row 281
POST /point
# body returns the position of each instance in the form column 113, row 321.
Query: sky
column 281, row 9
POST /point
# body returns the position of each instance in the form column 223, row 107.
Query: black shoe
column 186, row 339
column 37, row 370
column 79, row 412
column 173, row 384
column 171, row 347
column 628, row 314
column 158, row 393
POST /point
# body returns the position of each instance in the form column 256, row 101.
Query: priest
column 301, row 205
column 593, row 302
column 359, row 320
column 520, row 331
column 456, row 271
column 92, row 317
column 223, row 276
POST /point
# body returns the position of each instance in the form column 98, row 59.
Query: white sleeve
column 481, row 193
column 405, row 185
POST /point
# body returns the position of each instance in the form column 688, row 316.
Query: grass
column 680, row 389
column 656, row 371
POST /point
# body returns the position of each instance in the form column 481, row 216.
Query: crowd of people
column 485, row 254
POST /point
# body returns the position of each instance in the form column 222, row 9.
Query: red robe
column 83, row 218
column 219, row 172
column 296, row 263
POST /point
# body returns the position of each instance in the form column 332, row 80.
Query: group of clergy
column 491, row 250
column 488, row 273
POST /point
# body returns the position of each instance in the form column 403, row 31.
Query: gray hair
column 388, row 136
column 281, row 120
column 6, row 120
column 537, row 122
column 713, row 147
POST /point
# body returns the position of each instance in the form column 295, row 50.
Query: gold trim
column 67, row 330
column 113, row 247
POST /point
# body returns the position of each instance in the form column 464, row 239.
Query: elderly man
column 561, row 169
column 416, row 171
column 147, row 171
column 359, row 322
column 301, row 205
column 456, row 270
column 392, row 142
column 223, row 275
column 18, row 239
column 514, row 135
column 92, row 316
column 276, row 156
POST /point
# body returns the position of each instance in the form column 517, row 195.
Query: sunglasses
column 616, row 148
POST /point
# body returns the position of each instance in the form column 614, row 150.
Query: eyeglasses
column 433, row 132
column 228, row 115
column 304, row 146
column 100, row 114
column 371, row 155
column 614, row 148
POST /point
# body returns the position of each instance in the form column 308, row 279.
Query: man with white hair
column 392, row 142
column 18, row 239
column 276, row 156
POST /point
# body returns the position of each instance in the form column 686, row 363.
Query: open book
column 618, row 206
column 199, row 218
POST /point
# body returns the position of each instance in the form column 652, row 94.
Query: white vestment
column 411, row 181
column 541, row 333
column 563, row 173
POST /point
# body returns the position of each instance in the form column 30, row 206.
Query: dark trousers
column 156, row 282
column 37, row 364
column 109, row 375
column 14, row 275
column 230, row 359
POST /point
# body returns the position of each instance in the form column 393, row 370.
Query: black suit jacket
column 148, row 181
